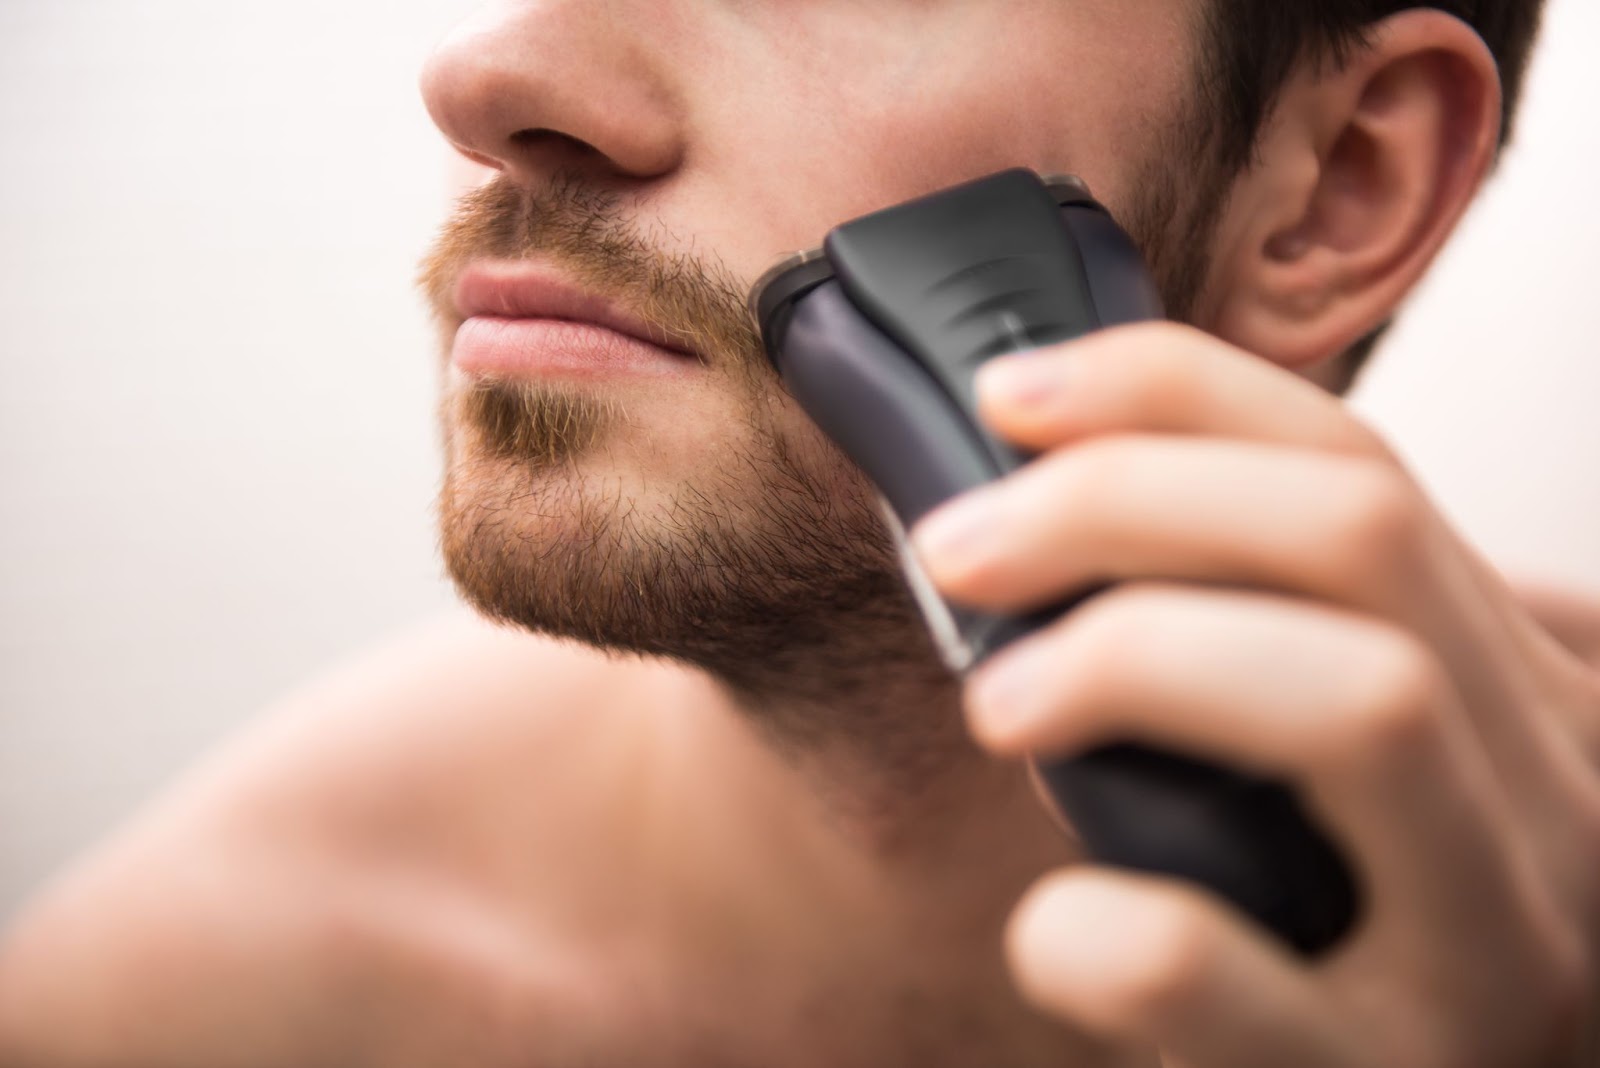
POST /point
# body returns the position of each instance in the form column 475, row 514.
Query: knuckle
column 1109, row 635
column 1179, row 341
column 1095, row 472
column 1369, row 441
column 1159, row 377
column 1378, row 523
column 1397, row 710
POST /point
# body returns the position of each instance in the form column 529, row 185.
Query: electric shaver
column 878, row 335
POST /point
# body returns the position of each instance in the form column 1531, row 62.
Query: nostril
column 540, row 137
column 478, row 157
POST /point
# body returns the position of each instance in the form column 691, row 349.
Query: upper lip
column 531, row 291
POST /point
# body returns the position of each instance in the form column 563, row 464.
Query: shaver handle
column 1246, row 839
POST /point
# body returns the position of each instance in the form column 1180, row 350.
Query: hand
column 1288, row 603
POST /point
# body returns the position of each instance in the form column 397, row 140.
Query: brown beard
column 771, row 570
column 797, row 594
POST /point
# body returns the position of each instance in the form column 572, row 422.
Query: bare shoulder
column 365, row 846
column 446, row 710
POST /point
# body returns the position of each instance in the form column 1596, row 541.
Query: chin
column 733, row 552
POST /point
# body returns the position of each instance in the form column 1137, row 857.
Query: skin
column 481, row 847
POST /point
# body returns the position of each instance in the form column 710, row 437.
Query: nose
column 532, row 87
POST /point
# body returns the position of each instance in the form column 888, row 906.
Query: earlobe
column 1365, row 171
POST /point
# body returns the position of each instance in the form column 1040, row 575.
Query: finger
column 1172, row 379
column 1356, row 714
column 1345, row 531
column 1146, row 960
column 1162, row 378
column 1166, row 507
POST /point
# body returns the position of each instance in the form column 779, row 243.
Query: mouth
column 525, row 320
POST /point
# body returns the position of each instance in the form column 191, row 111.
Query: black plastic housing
column 878, row 336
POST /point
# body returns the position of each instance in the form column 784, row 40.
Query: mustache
column 585, row 233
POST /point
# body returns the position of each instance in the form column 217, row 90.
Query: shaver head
column 793, row 275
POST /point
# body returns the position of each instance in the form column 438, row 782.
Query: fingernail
column 1022, row 381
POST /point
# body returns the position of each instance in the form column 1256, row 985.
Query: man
column 725, row 810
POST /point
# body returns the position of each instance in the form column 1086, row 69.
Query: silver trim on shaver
column 1066, row 186
column 956, row 652
column 780, row 267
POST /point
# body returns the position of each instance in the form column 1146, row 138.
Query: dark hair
column 1250, row 47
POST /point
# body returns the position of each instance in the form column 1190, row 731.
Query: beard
column 769, row 568
column 763, row 560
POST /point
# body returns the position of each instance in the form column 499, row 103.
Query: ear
column 1363, row 172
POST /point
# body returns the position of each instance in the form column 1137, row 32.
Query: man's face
column 661, row 154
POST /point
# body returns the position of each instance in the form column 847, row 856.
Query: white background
column 216, row 432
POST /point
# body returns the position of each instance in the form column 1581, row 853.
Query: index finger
column 1162, row 378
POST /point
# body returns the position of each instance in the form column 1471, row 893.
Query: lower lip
column 489, row 345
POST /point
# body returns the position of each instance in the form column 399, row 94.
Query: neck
column 878, row 750
column 885, row 856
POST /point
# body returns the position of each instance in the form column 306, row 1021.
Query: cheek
column 814, row 455
column 1094, row 112
column 859, row 113
column 463, row 176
